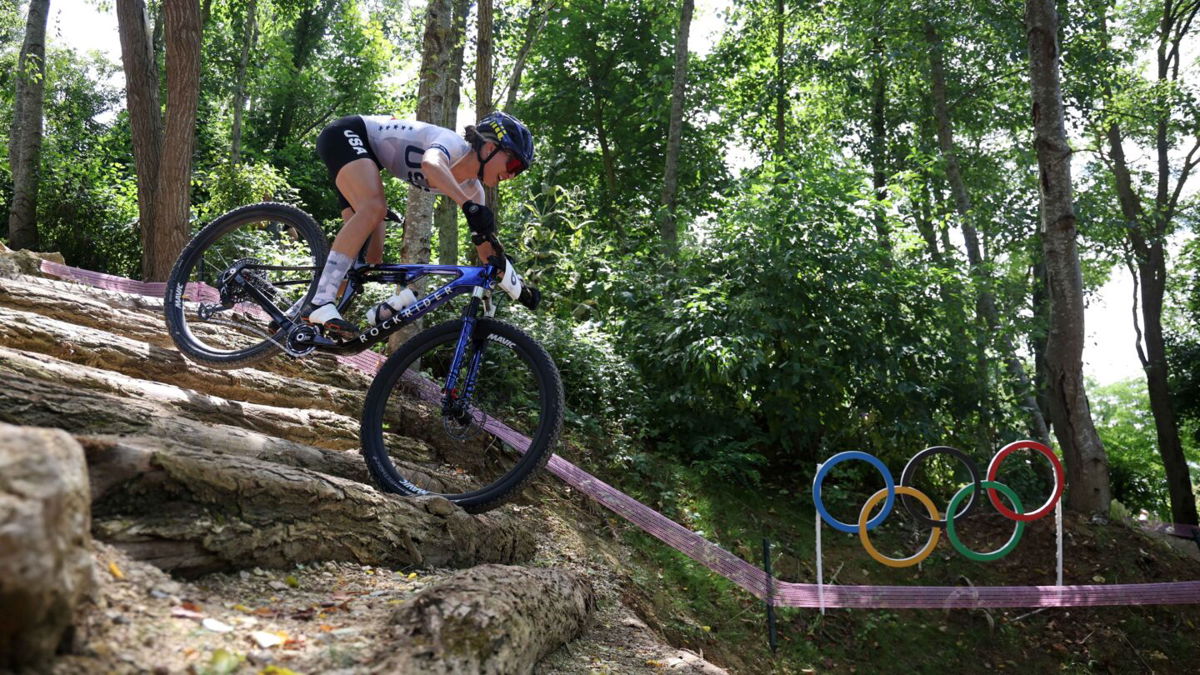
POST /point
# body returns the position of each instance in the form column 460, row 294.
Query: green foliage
column 605, row 397
column 792, row 340
column 224, row 188
column 87, row 198
column 1121, row 413
column 600, row 114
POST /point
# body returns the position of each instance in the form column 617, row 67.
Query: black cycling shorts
column 342, row 142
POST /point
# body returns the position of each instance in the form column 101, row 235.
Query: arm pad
column 480, row 222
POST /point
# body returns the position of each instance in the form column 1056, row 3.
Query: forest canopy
column 851, row 256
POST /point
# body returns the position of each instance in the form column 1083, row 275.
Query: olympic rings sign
column 968, row 492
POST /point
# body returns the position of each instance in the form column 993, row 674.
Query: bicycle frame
column 468, row 279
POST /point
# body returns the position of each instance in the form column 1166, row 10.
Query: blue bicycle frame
column 474, row 280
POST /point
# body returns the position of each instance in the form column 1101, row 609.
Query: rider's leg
column 375, row 243
column 374, row 252
column 360, row 184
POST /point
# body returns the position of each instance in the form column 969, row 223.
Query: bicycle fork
column 455, row 402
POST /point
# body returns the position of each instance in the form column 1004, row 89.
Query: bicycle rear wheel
column 466, row 446
column 281, row 251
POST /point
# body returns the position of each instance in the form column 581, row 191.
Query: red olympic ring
column 1059, row 480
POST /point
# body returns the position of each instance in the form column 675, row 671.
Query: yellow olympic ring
column 865, row 514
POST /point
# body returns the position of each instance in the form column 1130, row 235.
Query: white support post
column 1059, row 526
column 820, row 570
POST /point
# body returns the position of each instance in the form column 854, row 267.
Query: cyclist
column 433, row 158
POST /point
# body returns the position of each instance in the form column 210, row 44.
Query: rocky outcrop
column 489, row 619
column 45, row 561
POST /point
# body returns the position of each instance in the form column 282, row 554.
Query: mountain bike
column 469, row 391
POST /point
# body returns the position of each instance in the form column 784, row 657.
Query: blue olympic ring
column 842, row 457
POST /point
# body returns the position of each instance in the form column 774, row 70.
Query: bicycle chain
column 270, row 338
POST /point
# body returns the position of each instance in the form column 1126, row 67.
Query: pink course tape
column 750, row 577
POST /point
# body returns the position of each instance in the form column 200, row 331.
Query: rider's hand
column 500, row 262
column 530, row 297
column 479, row 219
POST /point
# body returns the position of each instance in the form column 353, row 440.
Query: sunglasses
column 513, row 165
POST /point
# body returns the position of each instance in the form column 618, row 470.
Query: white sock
column 336, row 266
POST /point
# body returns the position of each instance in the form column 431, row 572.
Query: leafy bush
column 790, row 337
column 226, row 187
column 1121, row 412
column 604, row 394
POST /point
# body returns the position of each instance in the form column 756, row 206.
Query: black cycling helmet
column 509, row 133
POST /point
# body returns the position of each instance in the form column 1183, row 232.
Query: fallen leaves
column 266, row 640
column 216, row 625
column 183, row 613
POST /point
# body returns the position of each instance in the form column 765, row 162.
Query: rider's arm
column 436, row 166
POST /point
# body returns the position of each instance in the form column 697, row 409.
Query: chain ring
column 302, row 340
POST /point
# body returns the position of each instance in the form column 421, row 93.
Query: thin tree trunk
column 485, row 83
column 249, row 37
column 532, row 29
column 879, row 82
column 780, row 85
column 446, row 214
column 141, row 92
column 431, row 107
column 1147, row 237
column 25, row 143
column 1087, row 463
column 986, row 303
column 923, row 214
column 606, row 153
column 667, row 225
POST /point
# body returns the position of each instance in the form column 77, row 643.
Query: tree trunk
column 606, row 153
column 140, row 319
column 436, row 80
column 249, row 37
column 446, row 214
column 780, row 84
column 667, row 225
column 485, row 83
column 490, row 619
column 1087, row 463
column 145, row 115
column 25, row 143
column 879, row 82
column 1146, row 239
column 923, row 215
column 986, row 302
column 195, row 511
column 182, row 19
column 83, row 346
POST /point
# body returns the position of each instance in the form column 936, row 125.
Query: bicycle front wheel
column 477, row 445
column 277, row 248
